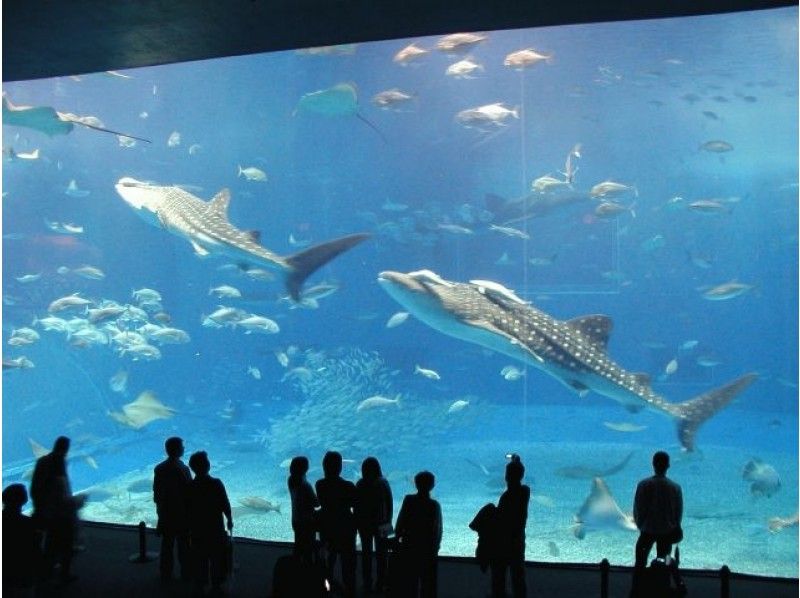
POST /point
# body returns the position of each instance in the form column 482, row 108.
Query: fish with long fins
column 573, row 351
column 600, row 511
column 207, row 227
column 339, row 100
column 50, row 121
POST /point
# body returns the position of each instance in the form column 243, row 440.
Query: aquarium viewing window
column 391, row 249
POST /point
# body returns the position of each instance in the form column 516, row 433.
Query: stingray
column 50, row 121
column 339, row 100
column 145, row 409
column 600, row 511
column 579, row 472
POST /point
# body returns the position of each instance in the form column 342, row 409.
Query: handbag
column 676, row 535
column 385, row 529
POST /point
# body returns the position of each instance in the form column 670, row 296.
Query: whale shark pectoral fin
column 489, row 327
column 596, row 326
column 579, row 387
column 693, row 413
column 199, row 251
column 306, row 262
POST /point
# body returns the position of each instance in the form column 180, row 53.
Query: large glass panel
column 643, row 170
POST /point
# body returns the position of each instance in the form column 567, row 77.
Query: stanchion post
column 724, row 582
column 605, row 567
column 142, row 556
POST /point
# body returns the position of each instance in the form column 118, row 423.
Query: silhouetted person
column 21, row 544
column 338, row 530
column 373, row 514
column 419, row 531
column 304, row 505
column 55, row 510
column 657, row 511
column 170, row 493
column 510, row 519
column 208, row 503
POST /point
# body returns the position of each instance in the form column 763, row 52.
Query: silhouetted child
column 21, row 544
column 419, row 533
column 373, row 514
column 304, row 505
column 657, row 511
column 55, row 510
column 337, row 526
column 170, row 493
column 510, row 519
column 208, row 503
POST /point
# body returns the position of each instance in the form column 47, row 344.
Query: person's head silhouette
column 61, row 446
column 660, row 462
column 199, row 463
column 174, row 447
column 14, row 497
column 299, row 466
column 332, row 464
column 371, row 469
column 515, row 471
column 424, row 481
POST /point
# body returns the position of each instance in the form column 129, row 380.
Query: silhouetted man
column 657, row 510
column 419, row 531
column 304, row 505
column 208, row 503
column 21, row 544
column 55, row 510
column 338, row 530
column 170, row 493
column 511, row 517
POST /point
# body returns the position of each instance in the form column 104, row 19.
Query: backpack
column 662, row 579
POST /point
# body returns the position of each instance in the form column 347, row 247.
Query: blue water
column 639, row 97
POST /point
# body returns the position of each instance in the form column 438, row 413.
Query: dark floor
column 103, row 569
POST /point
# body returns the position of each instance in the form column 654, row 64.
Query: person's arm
column 226, row 505
column 438, row 523
column 638, row 506
column 388, row 501
column 158, row 490
column 400, row 526
column 679, row 509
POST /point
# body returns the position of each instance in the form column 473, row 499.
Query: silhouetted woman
column 373, row 513
column 511, row 518
column 419, row 531
column 304, row 504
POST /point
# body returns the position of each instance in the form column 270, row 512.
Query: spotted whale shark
column 207, row 227
column 573, row 351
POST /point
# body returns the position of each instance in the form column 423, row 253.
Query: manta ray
column 49, row 121
column 339, row 100
column 600, row 511
column 207, row 227
column 573, row 351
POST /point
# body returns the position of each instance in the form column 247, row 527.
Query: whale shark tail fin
column 306, row 262
column 693, row 413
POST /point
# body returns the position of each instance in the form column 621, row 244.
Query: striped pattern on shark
column 573, row 351
column 207, row 227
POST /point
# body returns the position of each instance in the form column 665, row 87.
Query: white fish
column 143, row 114
column 174, row 139
column 126, row 141
column 26, row 278
column 512, row 373
column 282, row 358
column 624, row 427
column 251, row 173
column 63, row 228
column 146, row 295
column 254, row 372
column 90, row 272
column 409, row 53
column 671, row 367
column 491, row 114
column 431, row 374
column 67, row 302
column 524, row 58
column 254, row 323
column 119, row 382
column 194, row 148
column 509, row 231
column 463, row 69
column 458, row 42
column 34, row 155
column 225, row 292
column 73, row 191
column 457, row 406
column 170, row 336
column 728, row 290
column 397, row 319
column 689, row 345
column 548, row 184
column 376, row 402
column 612, row 189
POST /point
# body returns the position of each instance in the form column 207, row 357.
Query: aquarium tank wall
column 575, row 243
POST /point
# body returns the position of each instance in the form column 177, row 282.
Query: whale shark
column 573, row 351
column 207, row 227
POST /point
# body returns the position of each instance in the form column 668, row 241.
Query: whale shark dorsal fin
column 219, row 203
column 596, row 326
